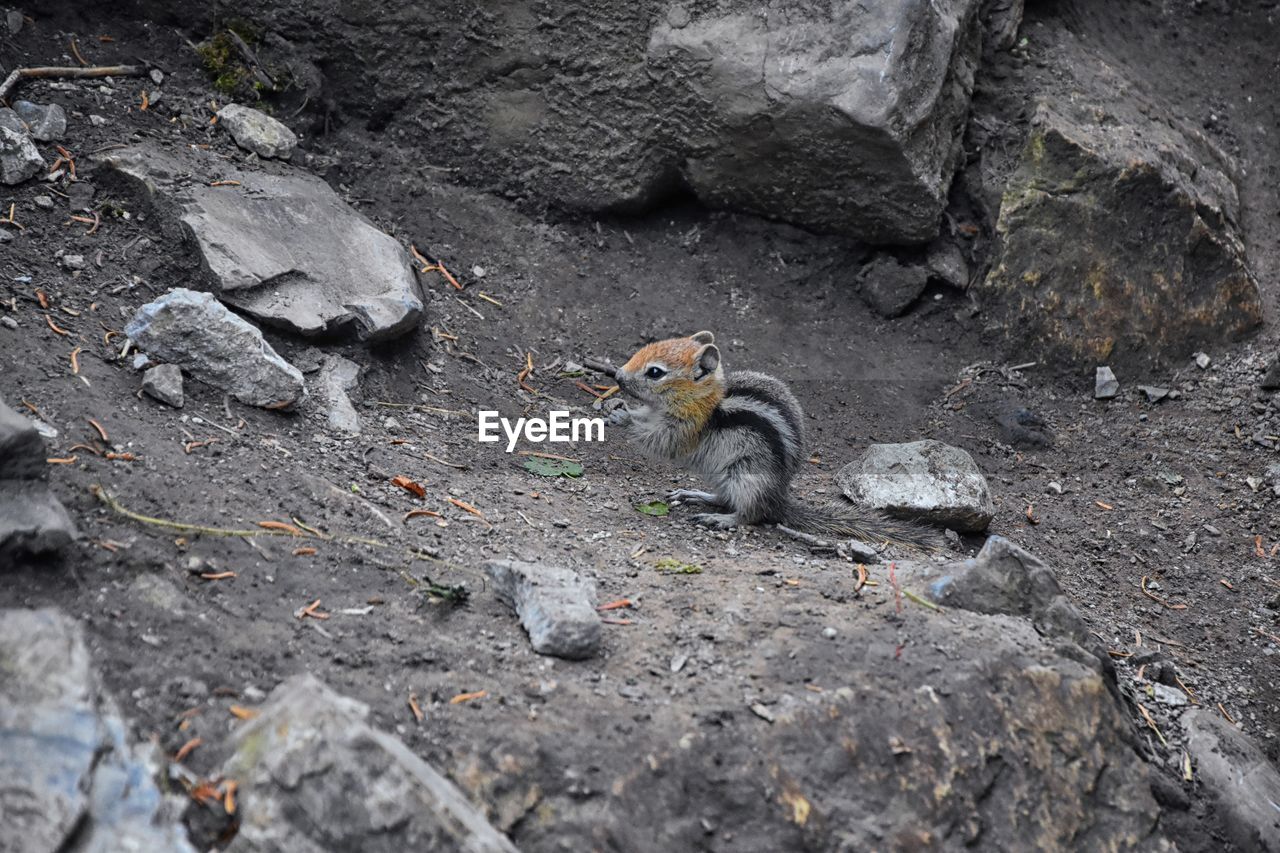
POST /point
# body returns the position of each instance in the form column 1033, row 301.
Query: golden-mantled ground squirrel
column 743, row 433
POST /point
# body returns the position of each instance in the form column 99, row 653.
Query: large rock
column 197, row 333
column 19, row 158
column 282, row 246
column 925, row 480
column 889, row 287
column 258, row 132
column 32, row 520
column 960, row 732
column 844, row 116
column 1119, row 240
column 313, row 775
column 71, row 781
column 556, row 606
column 1239, row 778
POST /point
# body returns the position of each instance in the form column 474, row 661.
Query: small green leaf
column 654, row 508
column 553, row 467
column 677, row 567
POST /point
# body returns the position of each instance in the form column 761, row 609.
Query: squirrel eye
column 655, row 372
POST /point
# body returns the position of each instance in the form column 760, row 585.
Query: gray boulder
column 1237, row 775
column 22, row 450
column 197, row 333
column 258, row 132
column 889, row 287
column 314, row 775
column 19, row 158
column 164, row 383
column 337, row 377
column 46, row 122
column 844, row 117
column 556, row 606
column 32, row 520
column 1068, row 284
column 282, row 246
column 925, row 480
column 72, row 781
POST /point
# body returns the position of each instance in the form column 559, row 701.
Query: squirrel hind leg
column 717, row 520
column 691, row 496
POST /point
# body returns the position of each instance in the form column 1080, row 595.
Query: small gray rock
column 555, row 605
column 19, row 158
column 1170, row 696
column 1271, row 380
column 889, row 287
column 1105, row 384
column 1236, row 774
column 1202, row 360
column 47, row 122
column 7, row 321
column 338, row 376
column 97, row 120
column 22, row 450
column 258, row 132
column 72, row 262
column 43, row 202
column 1153, row 393
column 946, row 262
column 80, row 196
column 197, row 333
column 164, row 383
column 141, row 361
column 32, row 520
column 13, row 20
column 925, row 480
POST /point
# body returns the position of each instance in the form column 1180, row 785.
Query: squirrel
column 743, row 433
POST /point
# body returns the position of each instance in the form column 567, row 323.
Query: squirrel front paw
column 619, row 417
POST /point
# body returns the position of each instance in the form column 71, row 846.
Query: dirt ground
column 1172, row 492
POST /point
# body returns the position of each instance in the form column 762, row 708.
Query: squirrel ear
column 706, row 361
column 703, row 337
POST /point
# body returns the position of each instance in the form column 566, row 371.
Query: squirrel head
column 682, row 377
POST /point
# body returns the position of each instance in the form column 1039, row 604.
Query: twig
column 251, row 59
column 19, row 74
column 600, row 367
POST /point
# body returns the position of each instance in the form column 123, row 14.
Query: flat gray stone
column 923, row 480
column 314, row 775
column 1240, row 779
column 72, row 781
column 32, row 520
column 889, row 287
column 1105, row 384
column 45, row 122
column 282, row 246
column 1271, row 380
column 197, row 333
column 22, row 450
column 164, row 383
column 557, row 606
column 258, row 132
column 19, row 158
column 1002, row 578
column 338, row 376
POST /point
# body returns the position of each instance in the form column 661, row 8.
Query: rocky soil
column 251, row 548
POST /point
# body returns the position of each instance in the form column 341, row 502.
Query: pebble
column 1153, row 393
column 73, row 262
column 8, row 322
column 829, row 632
column 97, row 120
column 1105, row 384
column 1054, row 487
column 392, row 424
column 43, row 202
column 1202, row 360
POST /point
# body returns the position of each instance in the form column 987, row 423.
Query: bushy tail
column 868, row 525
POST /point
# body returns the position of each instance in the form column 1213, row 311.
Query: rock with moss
column 1119, row 240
